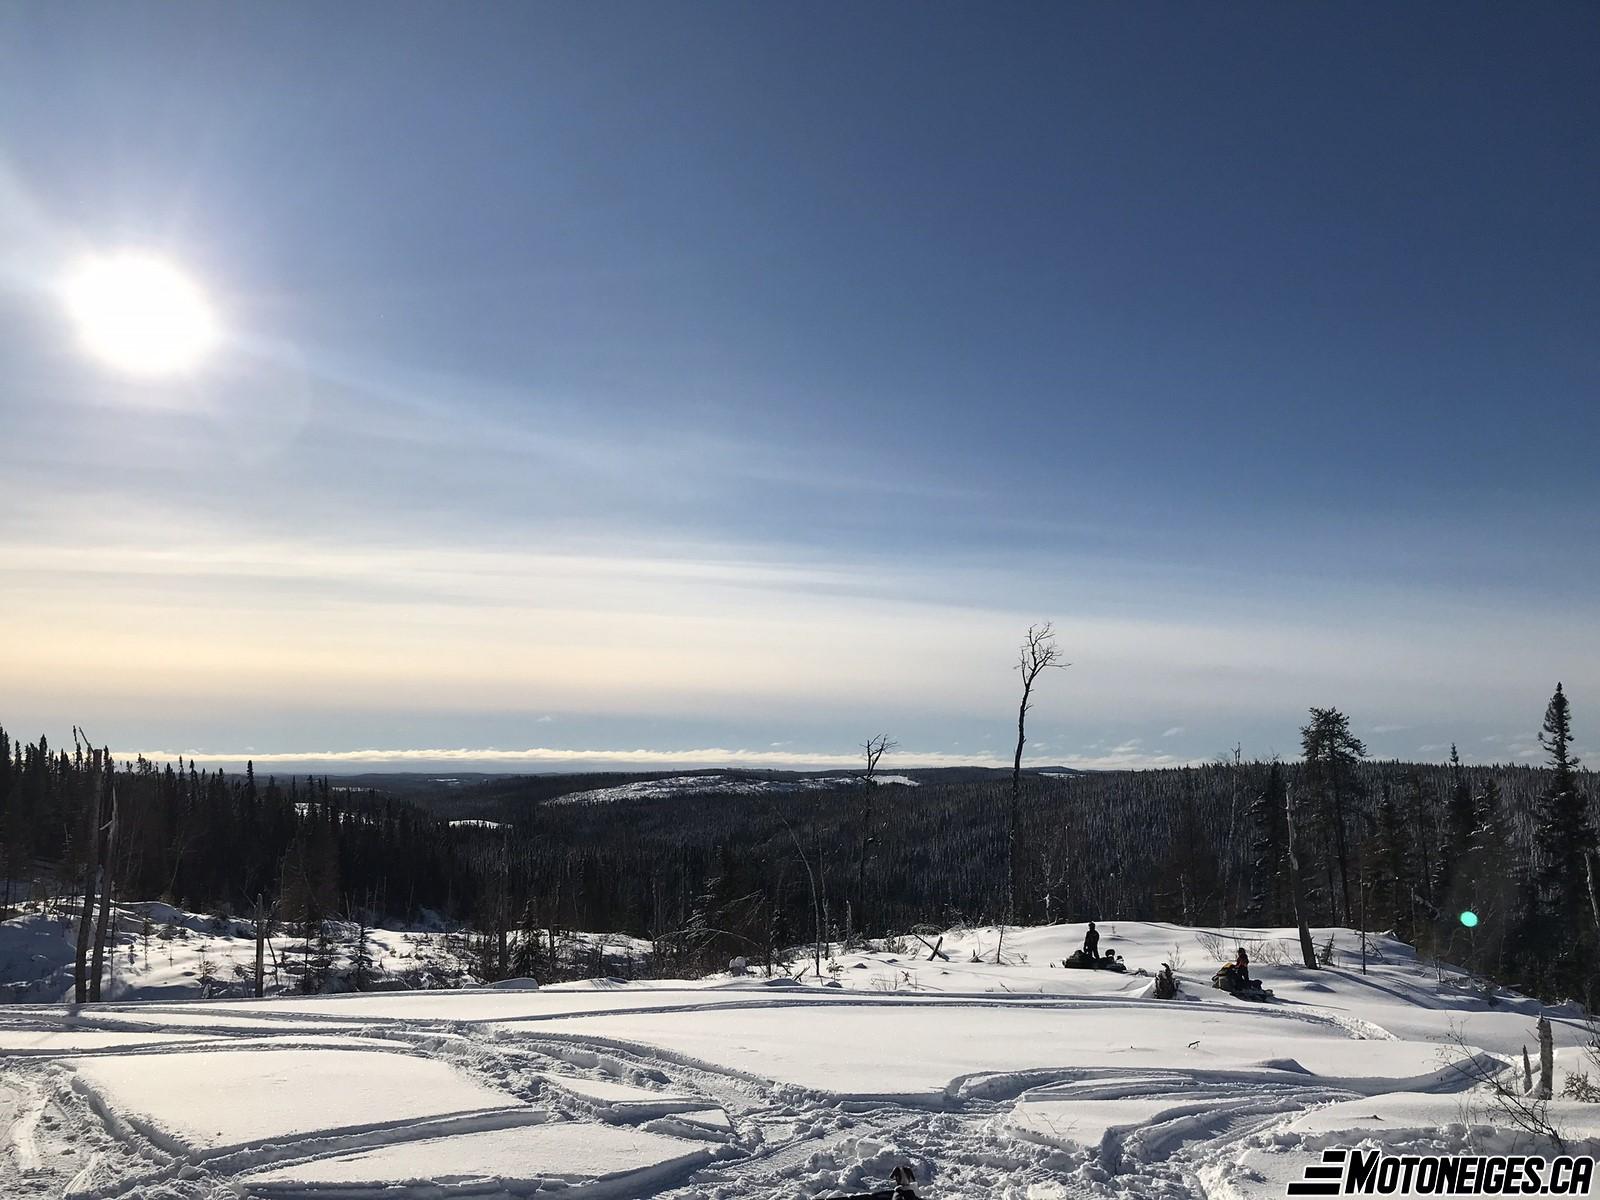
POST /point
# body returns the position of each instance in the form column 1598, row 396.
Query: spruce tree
column 1490, row 881
column 1331, row 754
column 1269, row 839
column 1460, row 822
column 1564, row 834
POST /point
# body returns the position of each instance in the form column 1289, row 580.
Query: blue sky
column 665, row 379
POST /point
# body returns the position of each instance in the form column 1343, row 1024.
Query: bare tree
column 1037, row 653
column 874, row 748
column 1308, row 953
column 107, row 886
column 818, row 918
column 90, row 849
column 264, row 918
column 1525, row 1110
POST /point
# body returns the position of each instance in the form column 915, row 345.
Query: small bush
column 1580, row 1087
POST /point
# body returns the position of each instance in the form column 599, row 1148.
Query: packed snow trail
column 1011, row 1080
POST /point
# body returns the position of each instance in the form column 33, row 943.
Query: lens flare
column 1469, row 919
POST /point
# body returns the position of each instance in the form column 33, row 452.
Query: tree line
column 1397, row 846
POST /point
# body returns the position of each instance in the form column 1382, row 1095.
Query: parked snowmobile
column 1229, row 979
column 1081, row 961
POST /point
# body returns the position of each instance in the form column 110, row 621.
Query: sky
column 707, row 383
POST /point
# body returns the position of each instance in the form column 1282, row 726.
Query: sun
column 139, row 313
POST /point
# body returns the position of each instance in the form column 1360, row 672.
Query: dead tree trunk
column 1594, row 888
column 261, row 944
column 874, row 748
column 1308, row 951
column 108, row 886
column 91, row 879
column 1546, row 1060
column 1039, row 650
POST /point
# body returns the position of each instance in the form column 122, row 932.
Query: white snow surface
column 159, row 952
column 723, row 785
column 1016, row 1079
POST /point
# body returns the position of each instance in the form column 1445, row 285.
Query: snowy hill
column 1015, row 1078
column 723, row 785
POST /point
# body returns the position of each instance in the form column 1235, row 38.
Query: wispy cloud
column 1175, row 731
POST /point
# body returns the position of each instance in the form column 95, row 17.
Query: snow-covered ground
column 167, row 953
column 722, row 785
column 1011, row 1079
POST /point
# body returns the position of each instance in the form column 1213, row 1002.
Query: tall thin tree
column 1037, row 654
column 873, row 749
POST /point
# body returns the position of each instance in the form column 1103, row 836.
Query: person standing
column 1091, row 942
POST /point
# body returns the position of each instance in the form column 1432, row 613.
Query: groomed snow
column 1014, row 1078
column 214, row 1100
column 523, row 1158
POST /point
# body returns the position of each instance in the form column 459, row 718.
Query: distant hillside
column 508, row 798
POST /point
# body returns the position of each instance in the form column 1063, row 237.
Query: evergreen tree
column 1460, row 822
column 1489, row 881
column 1332, row 754
column 1564, row 833
column 1392, row 870
column 1268, row 842
column 1565, row 839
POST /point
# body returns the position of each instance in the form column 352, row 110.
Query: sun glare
column 140, row 314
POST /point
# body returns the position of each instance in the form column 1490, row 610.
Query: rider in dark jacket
column 1091, row 942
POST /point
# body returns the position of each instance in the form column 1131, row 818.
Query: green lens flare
column 1469, row 918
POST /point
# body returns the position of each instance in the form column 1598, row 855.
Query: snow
column 159, row 952
column 525, row 1157
column 722, row 785
column 213, row 1100
column 1013, row 1078
column 15, row 1040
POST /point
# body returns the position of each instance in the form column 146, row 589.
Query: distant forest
column 1379, row 845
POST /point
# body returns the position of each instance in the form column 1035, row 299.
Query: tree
column 1565, row 839
column 1269, row 830
column 263, row 931
column 1331, row 754
column 309, row 879
column 1460, row 821
column 108, row 884
column 1488, row 881
column 1308, row 952
column 1564, row 833
column 1395, row 880
column 363, row 963
column 1037, row 654
column 874, row 748
column 89, row 847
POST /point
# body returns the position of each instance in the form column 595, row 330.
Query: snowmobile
column 1081, row 961
column 901, row 1190
column 1245, row 989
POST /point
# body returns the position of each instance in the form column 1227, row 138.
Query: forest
column 1333, row 838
